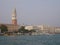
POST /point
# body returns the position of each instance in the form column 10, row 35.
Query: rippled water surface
column 30, row 40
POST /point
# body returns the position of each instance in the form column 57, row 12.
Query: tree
column 3, row 28
column 32, row 30
column 23, row 30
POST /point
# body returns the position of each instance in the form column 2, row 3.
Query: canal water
column 30, row 40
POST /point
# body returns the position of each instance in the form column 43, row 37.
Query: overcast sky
column 30, row 12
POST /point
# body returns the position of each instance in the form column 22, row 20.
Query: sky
column 31, row 12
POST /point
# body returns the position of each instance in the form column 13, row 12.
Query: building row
column 44, row 29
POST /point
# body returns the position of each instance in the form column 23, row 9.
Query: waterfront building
column 11, row 27
column 30, row 27
column 43, row 28
column 57, row 29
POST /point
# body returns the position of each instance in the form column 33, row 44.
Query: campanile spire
column 14, row 17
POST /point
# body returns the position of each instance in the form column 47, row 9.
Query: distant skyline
column 31, row 12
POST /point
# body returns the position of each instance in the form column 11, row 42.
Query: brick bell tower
column 14, row 17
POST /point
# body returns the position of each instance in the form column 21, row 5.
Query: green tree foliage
column 23, row 30
column 32, row 30
column 3, row 28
